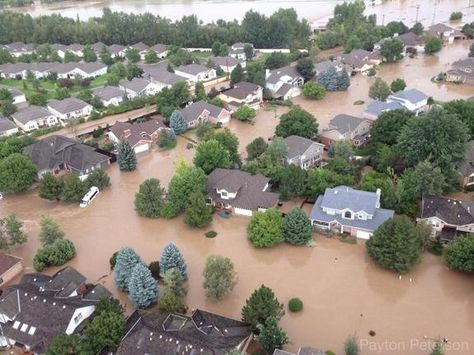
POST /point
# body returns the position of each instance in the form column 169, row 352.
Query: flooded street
column 342, row 290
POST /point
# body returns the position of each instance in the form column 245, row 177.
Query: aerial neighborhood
column 258, row 186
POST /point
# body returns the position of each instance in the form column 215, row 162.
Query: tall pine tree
column 142, row 287
column 297, row 227
column 177, row 122
column 198, row 213
column 170, row 258
column 127, row 259
column 127, row 159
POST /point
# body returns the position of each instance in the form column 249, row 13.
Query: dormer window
column 348, row 214
column 223, row 193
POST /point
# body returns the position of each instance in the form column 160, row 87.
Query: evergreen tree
column 126, row 157
column 332, row 80
column 261, row 305
column 126, row 261
column 351, row 345
column 200, row 92
column 256, row 148
column 13, row 229
column 305, row 67
column 379, row 90
column 74, row 189
column 177, row 122
column 50, row 231
column 271, row 335
column 142, row 287
column 172, row 258
column 459, row 254
column 64, row 344
column 398, row 85
column 237, row 75
column 149, row 200
column 106, row 330
column 105, row 56
column 219, row 277
column 89, row 54
column 171, row 300
column 297, row 227
column 198, row 213
column 174, row 281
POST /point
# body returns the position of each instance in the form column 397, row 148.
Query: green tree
column 200, row 92
column 424, row 179
column 392, row 50
column 229, row 142
column 98, row 178
column 171, row 299
column 50, row 231
column 151, row 57
column 126, row 157
column 297, row 122
column 132, row 55
column 265, row 228
column 341, row 149
column 277, row 149
column 459, row 254
column 374, row 180
column 211, row 155
column 433, row 45
column 379, row 90
column 219, row 277
column 434, row 136
column 37, row 99
column 5, row 95
column 173, row 280
column 245, row 113
column 105, row 56
column 455, row 15
column 471, row 50
column 7, row 108
column 417, row 28
column 74, row 189
column 12, row 229
column 271, row 335
column 395, row 245
column 388, row 126
column 89, row 54
column 108, row 305
column 55, row 254
column 313, row 90
column 437, row 348
column 464, row 109
column 276, row 60
column 198, row 213
column 172, row 258
column 124, row 265
column 321, row 179
column 256, row 148
column 220, row 49
column 398, row 85
column 142, row 287
column 70, row 57
column 51, row 187
column 351, row 345
column 292, row 182
column 150, row 198
column 297, row 227
column 305, row 67
column 64, row 344
column 182, row 185
column 177, row 122
column 237, row 75
column 248, row 50
column 106, row 330
column 6, row 57
column 261, row 305
column 17, row 173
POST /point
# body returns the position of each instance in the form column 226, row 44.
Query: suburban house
column 202, row 332
column 376, row 108
column 7, row 127
column 41, row 307
column 63, row 70
column 324, row 66
column 117, row 50
column 303, row 152
column 203, row 111
column 17, row 96
column 346, row 127
column 19, row 48
column 412, row 99
column 90, row 70
column 284, row 83
column 138, row 87
column 142, row 48
column 74, row 48
column 239, row 192
column 195, row 72
column 445, row 32
column 411, row 42
column 448, row 217
column 345, row 210
column 69, row 108
column 97, row 47
column 140, row 136
column 161, row 50
column 10, row 267
column 33, row 117
column 14, row 70
column 462, row 71
column 360, row 60
column 301, row 351
column 59, row 155
column 237, row 50
column 227, row 64
column 109, row 95
column 466, row 167
column 243, row 93
column 160, row 76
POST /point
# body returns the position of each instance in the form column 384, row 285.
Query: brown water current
column 343, row 291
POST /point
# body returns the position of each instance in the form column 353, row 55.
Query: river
column 211, row 10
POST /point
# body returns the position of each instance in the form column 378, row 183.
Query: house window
column 78, row 318
column 223, row 193
column 470, row 179
column 348, row 214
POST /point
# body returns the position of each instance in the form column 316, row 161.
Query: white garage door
column 141, row 148
column 243, row 212
column 363, row 235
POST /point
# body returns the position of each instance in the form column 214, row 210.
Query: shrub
column 459, row 254
column 456, row 15
column 245, row 113
column 149, row 200
column 265, row 228
column 313, row 90
column 55, row 254
column 295, row 305
column 98, row 178
column 113, row 260
column 211, row 234
column 219, row 277
column 167, row 140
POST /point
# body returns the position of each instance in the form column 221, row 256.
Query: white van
column 89, row 197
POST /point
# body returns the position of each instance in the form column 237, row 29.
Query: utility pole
column 383, row 19
column 417, row 10
column 434, row 12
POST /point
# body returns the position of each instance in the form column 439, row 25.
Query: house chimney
column 378, row 192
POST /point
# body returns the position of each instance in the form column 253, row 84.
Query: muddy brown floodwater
column 342, row 290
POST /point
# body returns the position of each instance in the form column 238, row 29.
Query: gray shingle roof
column 67, row 105
column 439, row 28
column 136, row 84
column 159, row 73
column 116, row 48
column 31, row 113
column 7, row 261
column 276, row 74
column 345, row 123
column 140, row 46
column 12, row 91
column 410, row 39
column 343, row 197
column 298, row 145
column 242, row 90
column 412, row 95
column 192, row 69
column 225, row 61
column 108, row 92
column 466, row 167
column 376, row 107
column 159, row 48
column 6, row 124
column 193, row 111
column 449, row 210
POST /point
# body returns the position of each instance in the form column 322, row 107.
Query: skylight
column 24, row 327
column 16, row 325
column 32, row 330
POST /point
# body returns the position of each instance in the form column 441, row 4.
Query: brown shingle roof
column 449, row 210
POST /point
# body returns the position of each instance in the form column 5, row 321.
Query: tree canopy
column 265, row 228
column 459, row 254
column 149, row 200
column 219, row 277
column 297, row 228
column 17, row 173
column 297, row 122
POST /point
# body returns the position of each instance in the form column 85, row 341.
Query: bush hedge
column 295, row 305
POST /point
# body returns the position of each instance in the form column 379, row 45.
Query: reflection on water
column 342, row 290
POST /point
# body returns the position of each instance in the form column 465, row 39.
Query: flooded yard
column 342, row 290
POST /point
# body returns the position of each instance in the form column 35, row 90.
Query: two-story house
column 284, row 83
column 412, row 99
column 462, row 71
column 345, row 210
column 69, row 108
column 360, row 60
column 239, row 192
column 195, row 72
column 109, row 95
column 243, row 93
column 303, row 152
column 33, row 117
column 448, row 217
column 203, row 111
column 237, row 50
column 346, row 127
